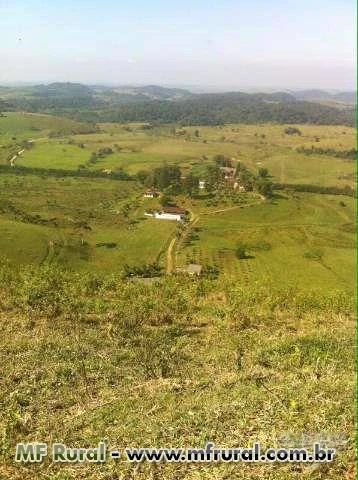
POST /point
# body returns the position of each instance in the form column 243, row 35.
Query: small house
column 201, row 184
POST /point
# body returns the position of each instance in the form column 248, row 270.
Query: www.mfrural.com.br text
column 60, row 453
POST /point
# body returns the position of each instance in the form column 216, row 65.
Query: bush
column 292, row 131
column 241, row 251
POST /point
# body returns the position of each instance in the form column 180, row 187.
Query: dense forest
column 210, row 110
column 163, row 105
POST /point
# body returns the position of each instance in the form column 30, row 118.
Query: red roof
column 174, row 210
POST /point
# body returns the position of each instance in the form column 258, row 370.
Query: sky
column 204, row 43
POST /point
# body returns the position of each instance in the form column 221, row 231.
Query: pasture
column 74, row 222
column 300, row 240
column 32, row 125
column 53, row 155
column 135, row 148
column 303, row 239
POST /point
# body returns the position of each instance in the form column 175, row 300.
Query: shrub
column 241, row 251
column 292, row 131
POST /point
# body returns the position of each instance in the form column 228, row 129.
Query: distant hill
column 163, row 93
column 345, row 97
column 244, row 98
column 60, row 89
column 324, row 96
column 149, row 92
column 120, row 94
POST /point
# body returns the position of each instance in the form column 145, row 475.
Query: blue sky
column 227, row 43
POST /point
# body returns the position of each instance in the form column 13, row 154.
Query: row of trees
column 52, row 172
column 346, row 190
column 348, row 154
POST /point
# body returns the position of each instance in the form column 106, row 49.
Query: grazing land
column 74, row 215
column 285, row 239
column 105, row 337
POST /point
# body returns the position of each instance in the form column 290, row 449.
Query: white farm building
column 168, row 213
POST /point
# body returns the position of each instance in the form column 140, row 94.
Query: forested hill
column 62, row 90
column 156, row 104
column 219, row 109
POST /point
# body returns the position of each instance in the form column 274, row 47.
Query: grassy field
column 66, row 202
column 24, row 243
column 54, row 155
column 305, row 240
column 137, row 149
column 298, row 239
column 32, row 125
column 304, row 232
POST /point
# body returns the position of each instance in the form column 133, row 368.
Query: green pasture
column 54, row 155
column 256, row 146
column 88, row 215
column 293, row 167
column 24, row 243
column 132, row 162
column 137, row 244
column 306, row 241
column 290, row 229
column 137, row 149
column 32, row 125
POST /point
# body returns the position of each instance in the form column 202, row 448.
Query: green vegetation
column 54, row 155
column 105, row 336
column 177, row 362
column 75, row 209
column 349, row 154
column 160, row 105
column 276, row 236
column 78, row 210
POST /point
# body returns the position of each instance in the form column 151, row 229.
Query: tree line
column 350, row 154
column 59, row 172
column 346, row 190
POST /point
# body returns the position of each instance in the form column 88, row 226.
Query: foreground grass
column 177, row 363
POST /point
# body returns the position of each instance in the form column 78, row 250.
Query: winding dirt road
column 170, row 261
